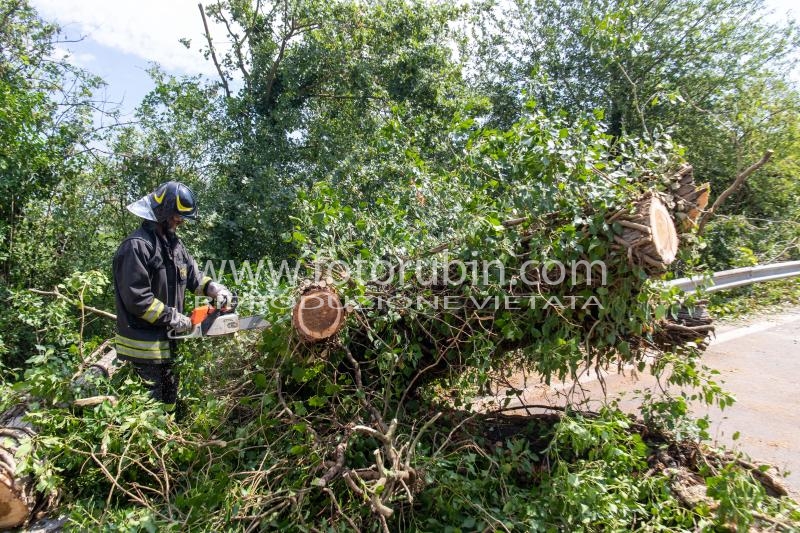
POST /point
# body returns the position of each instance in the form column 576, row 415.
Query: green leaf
column 260, row 381
column 317, row 401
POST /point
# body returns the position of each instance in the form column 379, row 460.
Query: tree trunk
column 649, row 235
column 649, row 239
column 18, row 497
column 690, row 325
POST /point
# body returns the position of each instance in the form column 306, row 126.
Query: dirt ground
column 759, row 362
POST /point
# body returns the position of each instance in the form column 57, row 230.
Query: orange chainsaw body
column 201, row 313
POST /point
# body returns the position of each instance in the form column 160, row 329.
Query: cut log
column 318, row 314
column 649, row 235
column 18, row 497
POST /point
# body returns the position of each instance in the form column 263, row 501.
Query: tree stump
column 649, row 235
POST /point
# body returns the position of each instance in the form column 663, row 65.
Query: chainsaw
column 210, row 321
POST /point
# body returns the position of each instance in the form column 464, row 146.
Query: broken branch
column 734, row 187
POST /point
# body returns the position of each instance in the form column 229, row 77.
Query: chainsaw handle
column 203, row 317
column 191, row 334
column 230, row 307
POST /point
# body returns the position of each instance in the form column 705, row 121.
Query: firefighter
column 152, row 271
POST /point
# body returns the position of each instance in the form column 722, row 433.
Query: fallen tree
column 396, row 349
column 332, row 417
column 640, row 239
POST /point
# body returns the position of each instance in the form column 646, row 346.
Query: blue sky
column 121, row 39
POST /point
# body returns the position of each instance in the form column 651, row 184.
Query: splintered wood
column 690, row 199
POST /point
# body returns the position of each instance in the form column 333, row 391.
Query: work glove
column 224, row 298
column 180, row 322
column 220, row 294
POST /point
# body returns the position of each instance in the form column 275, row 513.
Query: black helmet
column 171, row 198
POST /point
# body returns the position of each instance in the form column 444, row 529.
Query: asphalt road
column 759, row 363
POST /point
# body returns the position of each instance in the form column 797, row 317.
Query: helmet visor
column 141, row 208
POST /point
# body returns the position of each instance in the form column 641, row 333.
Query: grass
column 759, row 298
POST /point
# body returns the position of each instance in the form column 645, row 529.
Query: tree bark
column 17, row 495
column 690, row 325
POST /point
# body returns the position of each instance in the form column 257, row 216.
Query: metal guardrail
column 729, row 279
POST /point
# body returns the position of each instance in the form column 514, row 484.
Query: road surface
column 758, row 361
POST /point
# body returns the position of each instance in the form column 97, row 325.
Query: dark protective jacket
column 151, row 275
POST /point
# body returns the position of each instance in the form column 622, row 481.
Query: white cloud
column 149, row 29
column 82, row 60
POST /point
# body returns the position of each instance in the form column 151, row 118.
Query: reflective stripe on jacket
column 151, row 275
column 133, row 349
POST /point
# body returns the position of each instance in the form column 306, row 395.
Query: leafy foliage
column 350, row 131
column 315, row 89
column 715, row 74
